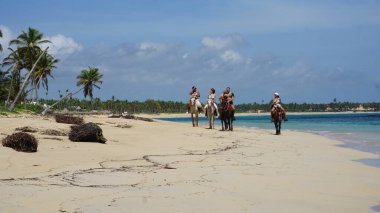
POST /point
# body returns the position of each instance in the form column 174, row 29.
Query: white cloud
column 166, row 71
column 61, row 46
column 219, row 43
column 7, row 37
column 150, row 48
column 231, row 56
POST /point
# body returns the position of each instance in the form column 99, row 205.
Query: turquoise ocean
column 356, row 130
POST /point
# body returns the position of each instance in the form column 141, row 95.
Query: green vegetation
column 156, row 106
column 23, row 57
column 28, row 67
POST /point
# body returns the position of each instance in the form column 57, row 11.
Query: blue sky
column 307, row 51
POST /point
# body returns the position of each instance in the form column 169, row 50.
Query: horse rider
column 211, row 101
column 195, row 94
column 229, row 96
column 276, row 102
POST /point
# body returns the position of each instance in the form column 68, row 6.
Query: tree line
column 151, row 106
column 28, row 68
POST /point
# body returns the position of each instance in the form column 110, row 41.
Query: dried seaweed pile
column 68, row 119
column 88, row 132
column 53, row 132
column 21, row 141
column 26, row 129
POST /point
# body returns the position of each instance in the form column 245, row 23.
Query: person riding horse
column 276, row 102
column 194, row 98
column 228, row 96
column 211, row 102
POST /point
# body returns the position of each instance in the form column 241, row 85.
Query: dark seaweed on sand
column 21, row 141
column 88, row 132
column 68, row 119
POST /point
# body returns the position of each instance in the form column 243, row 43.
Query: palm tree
column 87, row 79
column 29, row 43
column 15, row 63
column 12, row 106
column 43, row 70
column 4, row 83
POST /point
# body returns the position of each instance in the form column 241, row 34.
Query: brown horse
column 226, row 115
column 277, row 115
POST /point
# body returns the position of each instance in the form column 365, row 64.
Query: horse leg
column 279, row 127
column 209, row 116
column 196, row 119
column 192, row 119
column 231, row 125
column 228, row 124
column 212, row 119
column 223, row 124
column 276, row 127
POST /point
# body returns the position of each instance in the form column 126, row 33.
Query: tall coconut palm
column 87, row 79
column 4, row 84
column 43, row 70
column 15, row 62
column 29, row 43
column 29, row 74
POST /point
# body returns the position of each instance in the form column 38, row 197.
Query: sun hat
column 276, row 94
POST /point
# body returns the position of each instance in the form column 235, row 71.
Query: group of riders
column 226, row 100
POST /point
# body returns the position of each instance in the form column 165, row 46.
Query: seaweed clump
column 21, row 141
column 53, row 132
column 68, row 119
column 26, row 129
column 88, row 132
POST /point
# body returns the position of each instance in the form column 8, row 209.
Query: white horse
column 210, row 109
column 194, row 110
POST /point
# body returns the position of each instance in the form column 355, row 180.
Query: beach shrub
column 21, row 141
column 36, row 108
column 88, row 132
column 68, row 119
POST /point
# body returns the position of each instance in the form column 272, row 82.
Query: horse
column 277, row 115
column 226, row 115
column 194, row 110
column 210, row 110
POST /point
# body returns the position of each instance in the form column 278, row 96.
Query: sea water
column 357, row 130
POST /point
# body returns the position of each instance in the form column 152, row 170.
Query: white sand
column 171, row 167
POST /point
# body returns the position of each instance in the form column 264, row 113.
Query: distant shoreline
column 182, row 115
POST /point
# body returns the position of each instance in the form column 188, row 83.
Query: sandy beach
column 172, row 167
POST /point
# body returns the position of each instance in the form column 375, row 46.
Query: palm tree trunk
column 68, row 95
column 12, row 106
column 36, row 91
column 10, row 90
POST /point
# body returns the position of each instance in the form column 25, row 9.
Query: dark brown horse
column 277, row 115
column 226, row 115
